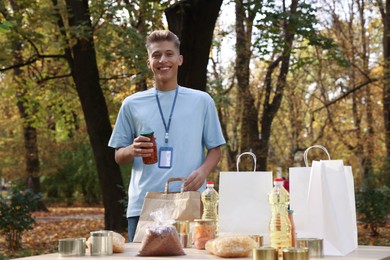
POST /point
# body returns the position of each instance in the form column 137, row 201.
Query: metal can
column 204, row 230
column 153, row 158
column 315, row 246
column 265, row 253
column 293, row 253
column 101, row 242
column 71, row 246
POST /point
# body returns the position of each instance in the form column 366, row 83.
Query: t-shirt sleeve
column 123, row 132
column 212, row 132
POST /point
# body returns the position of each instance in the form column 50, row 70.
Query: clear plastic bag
column 231, row 246
column 161, row 237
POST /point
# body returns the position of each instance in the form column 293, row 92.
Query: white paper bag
column 243, row 201
column 299, row 178
column 329, row 208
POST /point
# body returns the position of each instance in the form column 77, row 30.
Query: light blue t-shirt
column 194, row 127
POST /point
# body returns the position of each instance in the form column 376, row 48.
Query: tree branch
column 54, row 77
column 31, row 60
column 121, row 76
column 348, row 93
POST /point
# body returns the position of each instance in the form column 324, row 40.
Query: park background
column 284, row 75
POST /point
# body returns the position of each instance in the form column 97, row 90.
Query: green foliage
column 303, row 24
column 374, row 207
column 5, row 26
column 15, row 215
column 77, row 177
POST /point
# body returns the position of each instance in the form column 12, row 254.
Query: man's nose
column 162, row 58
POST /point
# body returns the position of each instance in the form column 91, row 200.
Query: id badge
column 165, row 157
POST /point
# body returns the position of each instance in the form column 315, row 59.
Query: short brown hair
column 162, row 35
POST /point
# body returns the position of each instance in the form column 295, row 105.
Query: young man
column 184, row 121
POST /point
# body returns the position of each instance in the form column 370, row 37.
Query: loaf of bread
column 231, row 246
column 118, row 243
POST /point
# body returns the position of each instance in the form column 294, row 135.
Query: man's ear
column 181, row 60
column 148, row 63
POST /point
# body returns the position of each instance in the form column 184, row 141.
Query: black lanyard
column 170, row 116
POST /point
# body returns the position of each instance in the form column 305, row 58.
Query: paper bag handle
column 182, row 179
column 249, row 153
column 314, row 146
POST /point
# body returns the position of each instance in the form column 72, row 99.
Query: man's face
column 164, row 60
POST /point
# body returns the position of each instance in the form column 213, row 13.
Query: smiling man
column 185, row 124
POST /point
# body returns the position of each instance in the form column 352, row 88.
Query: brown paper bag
column 185, row 205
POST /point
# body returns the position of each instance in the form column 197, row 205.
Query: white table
column 131, row 250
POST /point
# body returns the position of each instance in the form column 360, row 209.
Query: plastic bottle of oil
column 280, row 226
column 210, row 200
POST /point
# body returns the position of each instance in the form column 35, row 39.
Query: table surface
column 131, row 250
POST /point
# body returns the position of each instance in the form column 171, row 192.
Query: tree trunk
column 86, row 77
column 270, row 108
column 386, row 72
column 193, row 21
column 248, row 112
column 370, row 136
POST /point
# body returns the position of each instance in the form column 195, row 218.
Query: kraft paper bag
column 327, row 205
column 243, row 201
column 185, row 205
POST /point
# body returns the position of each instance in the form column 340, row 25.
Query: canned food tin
column 258, row 239
column 315, row 246
column 71, row 246
column 101, row 242
column 293, row 253
column 185, row 236
column 265, row 253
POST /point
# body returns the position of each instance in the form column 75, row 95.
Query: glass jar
column 153, row 158
column 204, row 230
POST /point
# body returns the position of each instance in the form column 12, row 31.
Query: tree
column 193, row 21
column 81, row 58
column 246, row 12
column 384, row 8
column 26, row 111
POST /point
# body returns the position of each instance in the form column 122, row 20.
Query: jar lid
column 147, row 133
column 204, row 221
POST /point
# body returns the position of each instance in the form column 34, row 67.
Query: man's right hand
column 141, row 147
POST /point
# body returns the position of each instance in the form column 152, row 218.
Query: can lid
column 147, row 133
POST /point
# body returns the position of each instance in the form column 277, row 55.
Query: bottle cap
column 290, row 211
column 278, row 179
column 210, row 182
